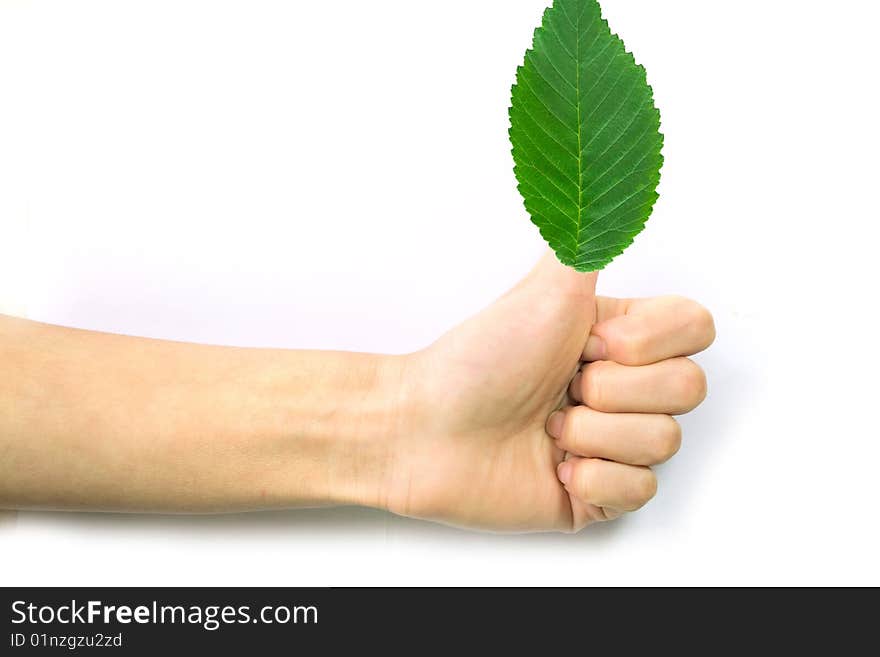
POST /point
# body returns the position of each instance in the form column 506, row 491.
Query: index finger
column 646, row 331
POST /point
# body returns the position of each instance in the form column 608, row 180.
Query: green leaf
column 586, row 137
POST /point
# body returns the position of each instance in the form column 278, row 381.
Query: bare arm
column 98, row 421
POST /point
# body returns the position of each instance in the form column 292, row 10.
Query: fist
column 618, row 420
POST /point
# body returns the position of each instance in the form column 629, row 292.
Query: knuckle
column 699, row 320
column 676, row 300
column 580, row 480
column 704, row 324
column 593, row 389
column 644, row 487
column 635, row 345
column 631, row 343
column 576, row 421
column 692, row 384
column 667, row 441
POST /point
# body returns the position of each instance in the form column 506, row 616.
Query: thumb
column 551, row 274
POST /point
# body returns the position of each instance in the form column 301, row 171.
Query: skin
column 544, row 412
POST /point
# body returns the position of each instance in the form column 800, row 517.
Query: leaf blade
column 586, row 138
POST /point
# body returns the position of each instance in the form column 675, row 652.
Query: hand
column 507, row 428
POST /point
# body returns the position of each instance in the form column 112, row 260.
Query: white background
column 337, row 175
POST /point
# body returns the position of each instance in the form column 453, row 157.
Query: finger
column 670, row 387
column 632, row 438
column 645, row 331
column 584, row 514
column 607, row 484
column 550, row 274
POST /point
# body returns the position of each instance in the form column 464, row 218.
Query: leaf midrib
column 580, row 164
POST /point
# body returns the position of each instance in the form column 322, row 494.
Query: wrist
column 344, row 420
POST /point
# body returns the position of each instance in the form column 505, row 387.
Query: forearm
column 98, row 421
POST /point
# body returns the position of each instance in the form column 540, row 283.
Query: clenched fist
column 547, row 410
